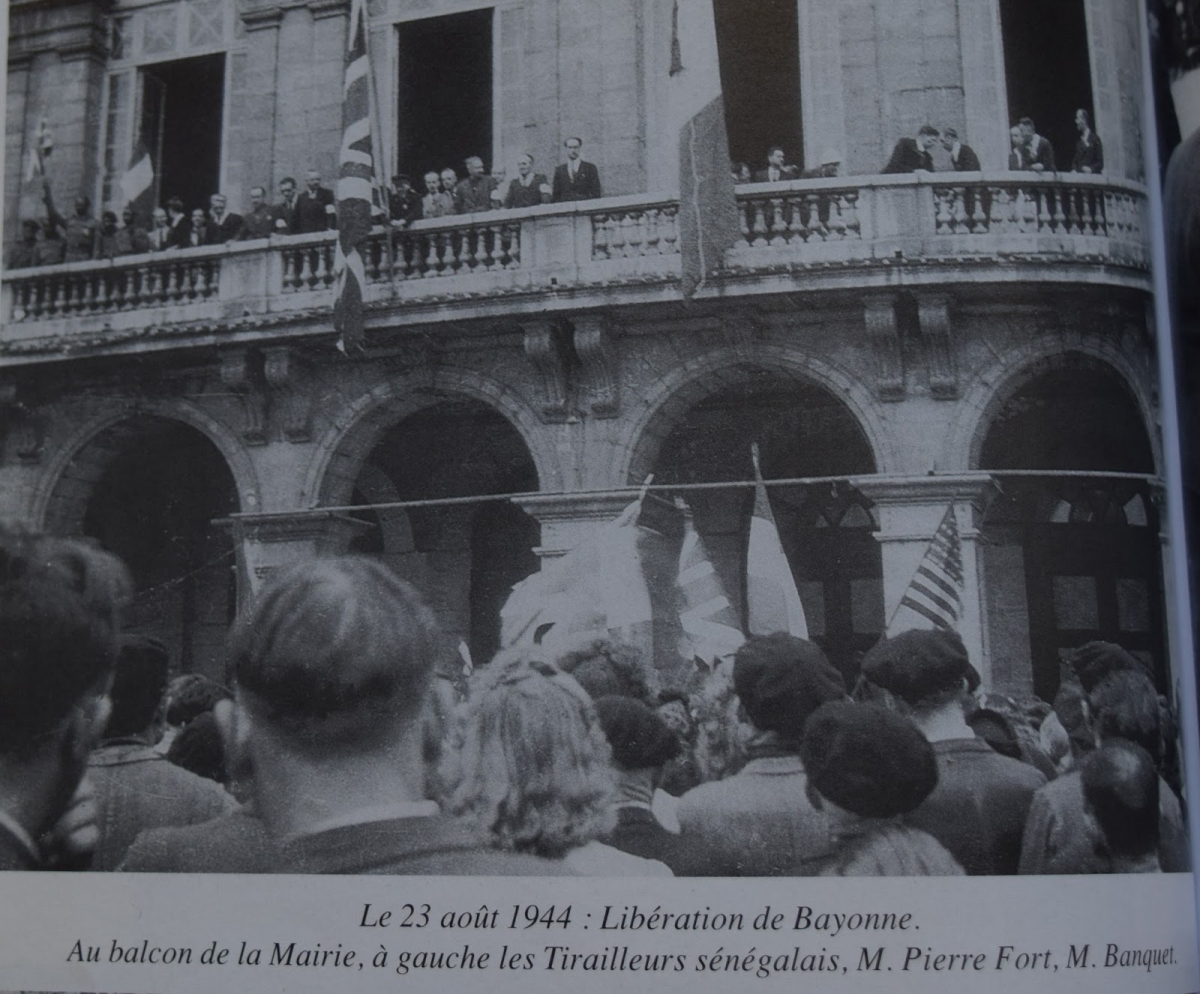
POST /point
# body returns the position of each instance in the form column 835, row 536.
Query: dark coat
column 785, row 173
column 138, row 789
column 908, row 157
column 1041, row 153
column 520, row 195
column 180, row 233
column 229, row 228
column 967, row 161
column 978, row 808
column 1089, row 153
column 311, row 213
column 585, row 186
column 639, row 833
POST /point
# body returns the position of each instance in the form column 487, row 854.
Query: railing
column 820, row 226
column 123, row 284
column 933, row 215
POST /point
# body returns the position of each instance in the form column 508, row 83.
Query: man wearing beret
column 760, row 822
column 978, row 808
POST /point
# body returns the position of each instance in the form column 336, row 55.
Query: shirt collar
column 14, row 828
column 380, row 812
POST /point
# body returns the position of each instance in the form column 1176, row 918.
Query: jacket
column 585, row 185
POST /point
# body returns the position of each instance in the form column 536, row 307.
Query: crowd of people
column 348, row 745
column 81, row 237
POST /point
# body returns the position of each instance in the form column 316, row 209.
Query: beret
column 867, row 759
column 917, row 664
column 639, row 738
column 781, row 680
column 1096, row 660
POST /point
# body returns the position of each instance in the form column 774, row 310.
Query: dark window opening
column 445, row 91
column 1047, row 68
column 827, row 532
column 154, row 506
column 181, row 110
column 759, row 49
column 1090, row 545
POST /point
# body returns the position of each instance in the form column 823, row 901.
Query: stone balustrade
column 579, row 255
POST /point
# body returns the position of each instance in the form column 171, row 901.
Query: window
column 444, row 89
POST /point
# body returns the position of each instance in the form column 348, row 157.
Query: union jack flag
column 357, row 182
column 934, row 595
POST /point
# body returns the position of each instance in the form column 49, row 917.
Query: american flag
column 934, row 595
column 357, row 181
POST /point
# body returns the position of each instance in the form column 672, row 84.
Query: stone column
column 910, row 511
column 985, row 97
column 266, row 543
column 821, row 85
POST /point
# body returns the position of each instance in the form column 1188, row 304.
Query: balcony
column 839, row 233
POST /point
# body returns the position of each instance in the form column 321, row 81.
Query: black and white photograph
column 603, row 438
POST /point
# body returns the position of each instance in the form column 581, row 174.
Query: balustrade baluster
column 794, row 207
column 837, row 224
column 670, row 231
column 816, row 227
column 652, row 245
column 1059, row 217
column 743, row 223
column 635, row 234
column 778, row 227
column 514, row 246
column 1075, row 208
column 306, row 279
column 942, row 217
column 103, row 288
column 289, row 271
column 850, row 213
column 616, row 239
column 599, row 236
column 760, row 224
column 979, row 215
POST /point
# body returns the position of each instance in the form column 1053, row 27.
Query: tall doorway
column 181, row 116
column 758, row 46
column 445, row 92
column 1047, row 68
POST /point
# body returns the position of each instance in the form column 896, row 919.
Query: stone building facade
column 905, row 343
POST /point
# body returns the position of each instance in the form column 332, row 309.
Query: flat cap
column 867, row 759
column 781, row 680
column 918, row 664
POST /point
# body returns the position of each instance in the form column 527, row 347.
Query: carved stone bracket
column 879, row 318
column 18, row 422
column 544, row 347
column 596, row 346
column 291, row 402
column 934, row 316
column 238, row 374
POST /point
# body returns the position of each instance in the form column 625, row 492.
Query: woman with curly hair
column 529, row 768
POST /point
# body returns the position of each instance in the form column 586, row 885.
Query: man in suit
column 328, row 735
column 527, row 189
column 222, row 227
column 912, row 154
column 436, row 202
column 473, row 193
column 314, row 210
column 1089, row 153
column 179, row 226
column 1018, row 154
column 198, row 229
column 962, row 157
column 1039, row 152
column 58, row 613
column 777, row 168
column 261, row 220
column 285, row 210
column 404, row 203
column 760, row 822
column 575, row 179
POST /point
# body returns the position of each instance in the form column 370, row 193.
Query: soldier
column 130, row 238
column 79, row 232
column 260, row 221
column 23, row 254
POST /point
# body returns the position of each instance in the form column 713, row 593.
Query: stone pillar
column 567, row 519
column 266, row 543
column 985, row 97
column 251, row 103
column 822, row 104
column 910, row 511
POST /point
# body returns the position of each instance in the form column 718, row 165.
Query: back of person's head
column 781, row 680
column 190, row 695
column 1073, row 711
column 922, row 668
column 1124, row 705
column 198, row 748
column 59, row 601
column 1120, row 788
column 867, row 759
column 604, row 666
column 1094, row 661
column 638, row 737
column 335, row 654
column 138, row 686
column 530, row 766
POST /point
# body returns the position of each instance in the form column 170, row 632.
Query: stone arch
column 344, row 448
column 667, row 404
column 60, row 500
column 996, row 385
